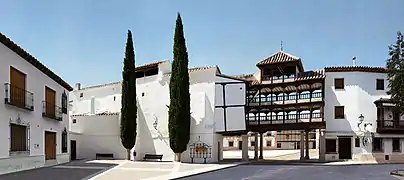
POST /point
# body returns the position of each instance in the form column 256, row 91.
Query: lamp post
column 365, row 132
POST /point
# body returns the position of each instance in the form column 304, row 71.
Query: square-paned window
column 377, row 145
column 396, row 145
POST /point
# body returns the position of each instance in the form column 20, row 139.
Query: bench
column 100, row 156
column 153, row 156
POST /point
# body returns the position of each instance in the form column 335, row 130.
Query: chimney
column 77, row 86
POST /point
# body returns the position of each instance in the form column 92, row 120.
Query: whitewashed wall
column 357, row 97
column 153, row 98
column 97, row 134
column 35, row 83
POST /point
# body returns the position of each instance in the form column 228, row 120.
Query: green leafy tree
column 395, row 72
column 179, row 119
column 128, row 109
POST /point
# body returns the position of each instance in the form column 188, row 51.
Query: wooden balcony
column 390, row 126
column 18, row 97
column 51, row 111
column 287, row 99
column 286, row 122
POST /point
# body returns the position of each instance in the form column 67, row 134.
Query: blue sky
column 83, row 40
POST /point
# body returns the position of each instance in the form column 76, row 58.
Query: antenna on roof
column 354, row 61
column 281, row 45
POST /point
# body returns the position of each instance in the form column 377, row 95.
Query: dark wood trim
column 224, row 107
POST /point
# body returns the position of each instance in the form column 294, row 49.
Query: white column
column 244, row 151
column 302, row 145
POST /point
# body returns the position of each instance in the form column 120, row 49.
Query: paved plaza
column 303, row 171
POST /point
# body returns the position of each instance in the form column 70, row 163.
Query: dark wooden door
column 240, row 145
column 17, row 87
column 50, row 100
column 50, row 145
column 73, row 155
column 345, row 147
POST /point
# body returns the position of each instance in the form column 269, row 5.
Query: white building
column 217, row 106
column 353, row 93
column 34, row 117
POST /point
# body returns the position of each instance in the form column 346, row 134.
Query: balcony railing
column 18, row 97
column 291, row 118
column 52, row 111
column 267, row 99
column 390, row 124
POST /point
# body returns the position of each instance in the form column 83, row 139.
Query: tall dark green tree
column 395, row 72
column 128, row 108
column 179, row 119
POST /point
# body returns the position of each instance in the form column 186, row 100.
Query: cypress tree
column 179, row 119
column 128, row 108
column 395, row 72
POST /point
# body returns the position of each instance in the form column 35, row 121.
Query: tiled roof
column 101, row 85
column 149, row 65
column 356, row 69
column 248, row 77
column 193, row 69
column 384, row 100
column 279, row 57
column 315, row 74
column 98, row 114
column 32, row 60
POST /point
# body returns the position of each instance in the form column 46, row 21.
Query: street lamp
column 361, row 118
column 365, row 133
column 155, row 123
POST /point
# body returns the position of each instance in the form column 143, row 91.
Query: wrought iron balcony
column 51, row 111
column 18, row 97
column 390, row 126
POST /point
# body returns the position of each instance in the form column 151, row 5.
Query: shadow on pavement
column 75, row 170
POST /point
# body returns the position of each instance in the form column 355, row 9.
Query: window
column 81, row 94
column 330, row 146
column 269, row 143
column 64, row 141
column 396, row 145
column 252, row 143
column 74, row 121
column 231, row 143
column 278, row 145
column 18, row 138
column 339, row 83
column 357, row 142
column 64, row 103
column 339, row 112
column 377, row 145
column 379, row 84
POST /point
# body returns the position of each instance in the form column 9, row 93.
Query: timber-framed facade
column 283, row 97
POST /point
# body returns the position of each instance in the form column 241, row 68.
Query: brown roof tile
column 149, row 65
column 355, row 69
column 193, row 69
column 279, row 57
column 315, row 74
column 32, row 60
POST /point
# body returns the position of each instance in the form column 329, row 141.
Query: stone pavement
column 75, row 170
column 302, row 172
column 157, row 170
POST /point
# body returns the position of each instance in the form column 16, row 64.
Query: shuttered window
column 18, row 138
